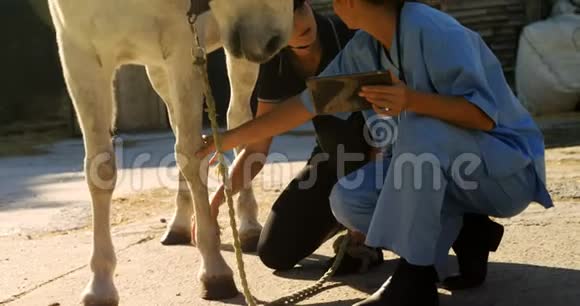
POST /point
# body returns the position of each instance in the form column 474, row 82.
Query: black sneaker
column 410, row 285
column 478, row 237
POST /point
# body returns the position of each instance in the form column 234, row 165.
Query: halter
column 197, row 8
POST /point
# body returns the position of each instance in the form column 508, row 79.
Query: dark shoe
column 479, row 236
column 409, row 286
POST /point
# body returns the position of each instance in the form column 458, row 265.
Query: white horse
column 95, row 38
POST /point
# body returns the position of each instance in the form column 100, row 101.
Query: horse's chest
column 124, row 32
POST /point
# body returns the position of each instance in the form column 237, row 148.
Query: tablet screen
column 339, row 94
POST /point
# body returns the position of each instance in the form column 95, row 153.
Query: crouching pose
column 314, row 43
column 461, row 146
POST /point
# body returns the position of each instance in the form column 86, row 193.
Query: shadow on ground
column 562, row 137
column 507, row 284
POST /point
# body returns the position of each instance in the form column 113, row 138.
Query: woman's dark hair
column 298, row 4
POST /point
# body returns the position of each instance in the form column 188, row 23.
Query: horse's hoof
column 93, row 300
column 100, row 293
column 249, row 244
column 103, row 303
column 176, row 238
column 219, row 288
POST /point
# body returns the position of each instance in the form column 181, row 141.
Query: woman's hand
column 457, row 110
column 207, row 147
column 388, row 100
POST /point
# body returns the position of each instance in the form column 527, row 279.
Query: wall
column 31, row 83
column 498, row 21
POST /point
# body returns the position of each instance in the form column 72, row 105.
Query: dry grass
column 563, row 166
column 142, row 205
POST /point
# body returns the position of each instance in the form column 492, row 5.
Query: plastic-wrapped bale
column 548, row 64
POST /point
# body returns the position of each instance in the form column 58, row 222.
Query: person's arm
column 455, row 110
column 288, row 115
column 247, row 164
column 392, row 100
column 464, row 74
column 297, row 110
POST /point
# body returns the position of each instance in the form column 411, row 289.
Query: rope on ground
column 315, row 288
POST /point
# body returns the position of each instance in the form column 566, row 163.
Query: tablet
column 339, row 93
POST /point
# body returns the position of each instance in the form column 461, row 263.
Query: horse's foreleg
column 179, row 229
column 187, row 107
column 89, row 82
column 243, row 76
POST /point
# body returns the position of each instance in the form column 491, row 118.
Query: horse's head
column 254, row 29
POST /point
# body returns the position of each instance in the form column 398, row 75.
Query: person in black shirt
column 292, row 228
column 301, row 218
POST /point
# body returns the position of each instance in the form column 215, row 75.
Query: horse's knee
column 101, row 171
column 193, row 169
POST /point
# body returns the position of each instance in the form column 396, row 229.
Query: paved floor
column 44, row 243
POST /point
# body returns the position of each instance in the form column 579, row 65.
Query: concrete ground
column 45, row 242
column 47, row 192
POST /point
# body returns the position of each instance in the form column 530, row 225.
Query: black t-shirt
column 279, row 80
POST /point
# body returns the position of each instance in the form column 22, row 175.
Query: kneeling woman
column 464, row 143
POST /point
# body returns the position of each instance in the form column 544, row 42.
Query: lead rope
column 315, row 288
column 200, row 63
